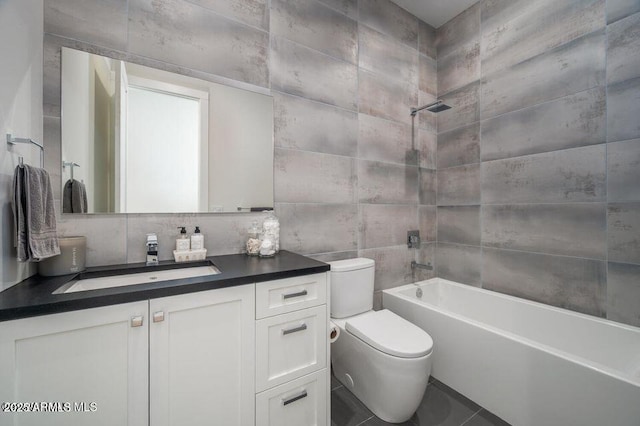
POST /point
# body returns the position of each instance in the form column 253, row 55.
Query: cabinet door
column 94, row 362
column 202, row 349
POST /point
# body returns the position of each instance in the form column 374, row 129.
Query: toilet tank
column 351, row 287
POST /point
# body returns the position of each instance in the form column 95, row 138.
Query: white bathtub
column 529, row 363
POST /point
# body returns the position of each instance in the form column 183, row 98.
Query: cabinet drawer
column 290, row 294
column 301, row 402
column 290, row 345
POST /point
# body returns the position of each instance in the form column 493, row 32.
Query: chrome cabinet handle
column 294, row 330
column 137, row 321
column 298, row 294
column 301, row 395
column 158, row 316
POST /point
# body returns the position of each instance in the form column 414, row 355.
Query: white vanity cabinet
column 201, row 363
column 292, row 352
column 254, row 354
column 95, row 360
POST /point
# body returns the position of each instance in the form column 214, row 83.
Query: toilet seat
column 391, row 334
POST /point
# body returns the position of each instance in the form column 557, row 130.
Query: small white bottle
column 197, row 240
column 182, row 242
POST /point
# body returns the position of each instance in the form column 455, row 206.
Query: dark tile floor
column 441, row 406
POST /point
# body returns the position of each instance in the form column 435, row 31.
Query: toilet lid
column 391, row 334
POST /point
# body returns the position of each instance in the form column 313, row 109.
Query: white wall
column 21, row 32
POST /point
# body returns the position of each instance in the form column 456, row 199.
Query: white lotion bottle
column 197, row 240
column 182, row 243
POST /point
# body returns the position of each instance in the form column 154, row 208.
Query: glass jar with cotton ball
column 270, row 236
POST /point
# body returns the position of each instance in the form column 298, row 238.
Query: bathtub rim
column 596, row 366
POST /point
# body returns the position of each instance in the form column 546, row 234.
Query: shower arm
column 414, row 111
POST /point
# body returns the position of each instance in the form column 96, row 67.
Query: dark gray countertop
column 34, row 296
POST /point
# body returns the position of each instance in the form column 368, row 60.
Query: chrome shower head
column 434, row 107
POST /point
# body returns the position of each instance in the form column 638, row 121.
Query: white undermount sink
column 126, row 279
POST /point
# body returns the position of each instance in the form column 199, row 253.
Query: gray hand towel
column 74, row 197
column 34, row 214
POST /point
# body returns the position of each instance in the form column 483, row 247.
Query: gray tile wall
column 350, row 175
column 538, row 163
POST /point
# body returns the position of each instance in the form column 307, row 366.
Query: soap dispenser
column 197, row 240
column 182, row 243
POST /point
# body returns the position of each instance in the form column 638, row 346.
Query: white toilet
column 382, row 358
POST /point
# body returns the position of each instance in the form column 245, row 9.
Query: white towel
column 34, row 214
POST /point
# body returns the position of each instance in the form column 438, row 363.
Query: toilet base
column 391, row 387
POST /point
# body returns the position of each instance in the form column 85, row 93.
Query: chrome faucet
column 152, row 249
column 416, row 265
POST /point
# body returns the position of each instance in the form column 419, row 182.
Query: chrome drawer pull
column 298, row 294
column 294, row 330
column 303, row 394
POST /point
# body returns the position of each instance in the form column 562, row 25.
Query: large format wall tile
column 459, row 263
column 572, row 175
column 53, row 154
column 390, row 99
column 336, row 255
column 623, row 168
column 314, row 25
column 459, row 185
column 623, row 293
column 313, row 126
column 427, row 40
column 623, row 49
column 459, row 224
column 389, row 18
column 427, row 149
column 385, row 140
column 100, row 22
column 106, row 237
column 384, row 183
column 465, row 108
column 304, row 72
column 513, row 31
column 428, row 187
column 250, row 12
column 384, row 225
column 309, row 177
column 428, row 72
column 52, row 63
column 424, row 119
column 459, row 31
column 568, row 122
column 459, row 146
column 187, row 33
column 624, row 232
column 566, row 282
column 618, row 9
column 384, row 55
column 570, row 68
column 427, row 223
column 426, row 255
column 223, row 234
column 459, row 68
column 577, row 229
column 623, row 110
column 347, row 7
column 393, row 266
column 318, row 228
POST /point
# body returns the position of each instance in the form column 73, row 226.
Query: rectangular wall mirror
column 141, row 140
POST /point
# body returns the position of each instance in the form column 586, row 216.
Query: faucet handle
column 152, row 239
